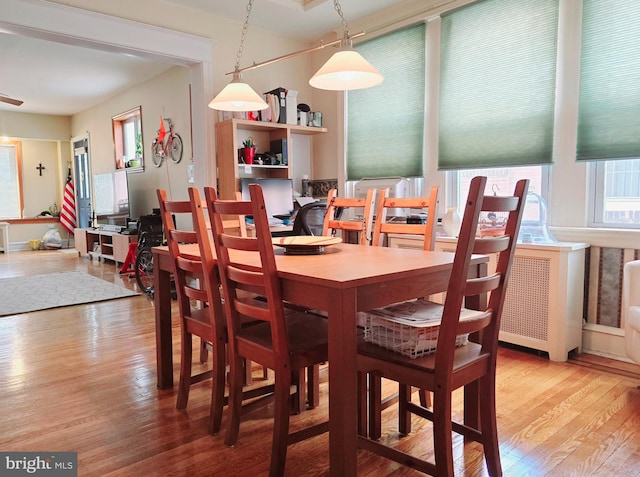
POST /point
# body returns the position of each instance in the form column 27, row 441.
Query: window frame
column 452, row 179
column 120, row 139
column 597, row 179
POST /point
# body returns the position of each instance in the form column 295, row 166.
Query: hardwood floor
column 82, row 379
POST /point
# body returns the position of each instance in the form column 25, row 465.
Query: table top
column 347, row 265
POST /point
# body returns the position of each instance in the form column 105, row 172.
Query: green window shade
column 385, row 124
column 497, row 84
column 609, row 105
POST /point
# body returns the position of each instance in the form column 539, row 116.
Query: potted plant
column 248, row 151
column 137, row 162
column 139, row 145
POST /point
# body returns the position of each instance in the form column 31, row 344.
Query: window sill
column 33, row 220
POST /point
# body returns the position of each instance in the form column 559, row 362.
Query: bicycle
column 171, row 147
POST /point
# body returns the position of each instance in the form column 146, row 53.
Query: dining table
column 342, row 281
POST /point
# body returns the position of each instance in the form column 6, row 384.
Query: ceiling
column 62, row 79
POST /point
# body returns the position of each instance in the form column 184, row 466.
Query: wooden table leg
column 343, row 399
column 162, row 303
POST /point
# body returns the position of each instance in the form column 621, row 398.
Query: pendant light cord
column 345, row 25
column 245, row 28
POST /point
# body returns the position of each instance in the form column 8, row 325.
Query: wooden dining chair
column 428, row 205
column 284, row 342
column 427, row 229
column 199, row 302
column 361, row 223
column 238, row 226
column 450, row 366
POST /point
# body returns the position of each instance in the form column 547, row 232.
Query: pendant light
column 238, row 95
column 346, row 69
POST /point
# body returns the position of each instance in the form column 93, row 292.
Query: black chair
column 308, row 220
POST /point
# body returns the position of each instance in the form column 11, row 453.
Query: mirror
column 127, row 140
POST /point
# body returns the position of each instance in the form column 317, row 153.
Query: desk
column 345, row 279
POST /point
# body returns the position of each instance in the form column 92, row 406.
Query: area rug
column 53, row 290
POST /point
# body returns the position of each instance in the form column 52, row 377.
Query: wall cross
column 40, row 167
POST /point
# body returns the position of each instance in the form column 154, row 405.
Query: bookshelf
column 229, row 137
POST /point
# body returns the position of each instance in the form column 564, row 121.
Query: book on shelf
column 278, row 97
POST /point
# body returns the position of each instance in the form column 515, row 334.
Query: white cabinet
column 545, row 296
column 103, row 244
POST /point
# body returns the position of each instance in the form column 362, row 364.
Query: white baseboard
column 604, row 341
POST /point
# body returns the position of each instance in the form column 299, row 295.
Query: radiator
column 528, row 290
column 544, row 302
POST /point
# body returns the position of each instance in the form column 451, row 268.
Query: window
column 608, row 120
column 385, row 124
column 500, row 181
column 127, row 138
column 10, row 181
column 497, row 84
column 617, row 193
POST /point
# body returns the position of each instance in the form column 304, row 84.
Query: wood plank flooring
column 82, row 379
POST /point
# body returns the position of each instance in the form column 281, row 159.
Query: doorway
column 82, row 172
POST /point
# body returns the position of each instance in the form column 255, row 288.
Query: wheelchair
column 150, row 234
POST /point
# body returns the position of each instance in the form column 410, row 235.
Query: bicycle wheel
column 176, row 148
column 157, row 153
column 144, row 271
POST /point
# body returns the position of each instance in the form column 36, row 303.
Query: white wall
column 166, row 95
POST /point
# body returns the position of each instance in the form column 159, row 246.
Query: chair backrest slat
column 478, row 286
column 183, row 236
column 485, row 246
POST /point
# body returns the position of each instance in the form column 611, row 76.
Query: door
column 83, row 181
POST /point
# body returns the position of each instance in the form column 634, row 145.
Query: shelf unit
column 102, row 244
column 543, row 308
column 229, row 137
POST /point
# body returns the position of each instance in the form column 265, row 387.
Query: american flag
column 68, row 213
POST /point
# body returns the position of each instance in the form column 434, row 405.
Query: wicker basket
column 409, row 328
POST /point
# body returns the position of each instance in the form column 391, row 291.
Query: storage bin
column 410, row 328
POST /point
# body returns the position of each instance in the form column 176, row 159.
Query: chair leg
column 313, row 386
column 299, row 398
column 404, row 416
column 489, row 426
column 425, row 398
column 363, row 394
column 204, row 351
column 186, row 355
column 236, row 378
column 375, row 406
column 442, row 430
column 217, row 388
column 248, row 373
column 281, row 422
